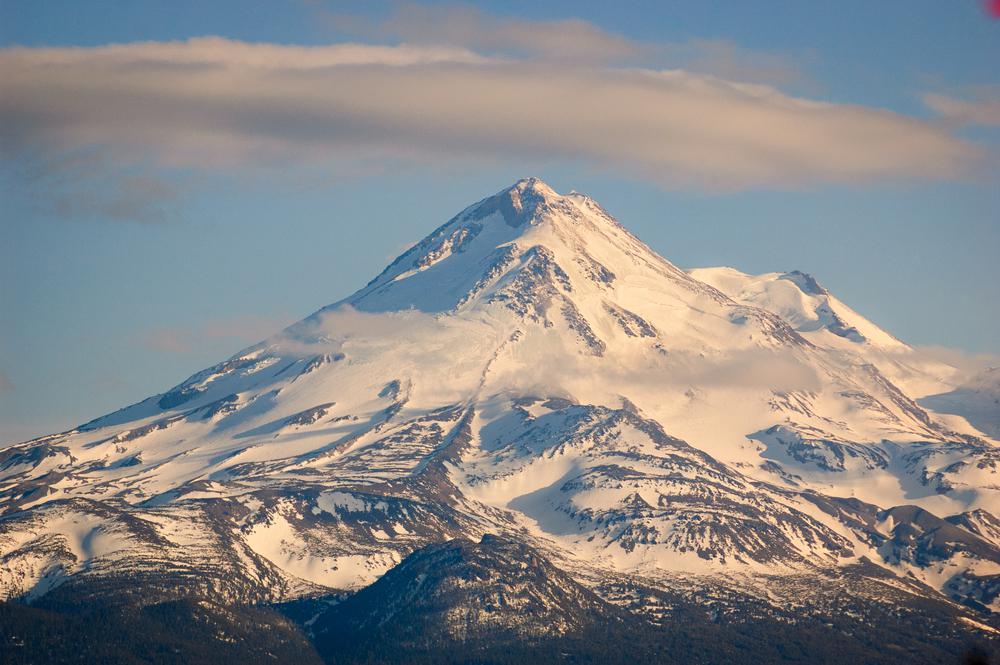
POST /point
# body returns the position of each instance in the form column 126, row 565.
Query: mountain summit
column 525, row 227
column 532, row 369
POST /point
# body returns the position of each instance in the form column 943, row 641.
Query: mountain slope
column 501, row 601
column 183, row 632
column 530, row 369
column 977, row 400
column 825, row 320
column 458, row 591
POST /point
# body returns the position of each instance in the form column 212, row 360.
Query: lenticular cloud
column 213, row 103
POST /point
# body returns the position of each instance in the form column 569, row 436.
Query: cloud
column 220, row 104
column 571, row 40
column 446, row 352
column 727, row 60
column 238, row 329
column 331, row 327
column 761, row 369
column 666, row 377
column 967, row 363
column 5, row 384
column 469, row 27
column 202, row 52
column 140, row 197
column 983, row 110
column 90, row 182
column 167, row 340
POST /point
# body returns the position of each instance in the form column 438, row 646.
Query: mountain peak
column 534, row 185
column 527, row 226
column 798, row 298
column 519, row 205
column 462, row 592
column 806, row 283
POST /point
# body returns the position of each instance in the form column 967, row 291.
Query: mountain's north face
column 668, row 439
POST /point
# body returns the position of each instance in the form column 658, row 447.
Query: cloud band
column 216, row 103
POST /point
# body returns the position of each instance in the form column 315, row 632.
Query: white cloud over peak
column 214, row 103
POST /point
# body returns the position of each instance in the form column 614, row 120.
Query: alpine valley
column 530, row 438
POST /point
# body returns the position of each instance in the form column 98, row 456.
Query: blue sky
column 149, row 233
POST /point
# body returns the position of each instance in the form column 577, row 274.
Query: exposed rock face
column 461, row 591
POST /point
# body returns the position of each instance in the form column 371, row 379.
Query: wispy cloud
column 738, row 370
column 981, row 108
column 728, row 60
column 167, row 340
column 215, row 103
column 967, row 363
column 237, row 330
column 90, row 182
column 472, row 28
column 567, row 40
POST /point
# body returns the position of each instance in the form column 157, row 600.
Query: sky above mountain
column 181, row 179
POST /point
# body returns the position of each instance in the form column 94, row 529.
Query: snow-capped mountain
column 976, row 399
column 826, row 321
column 530, row 369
